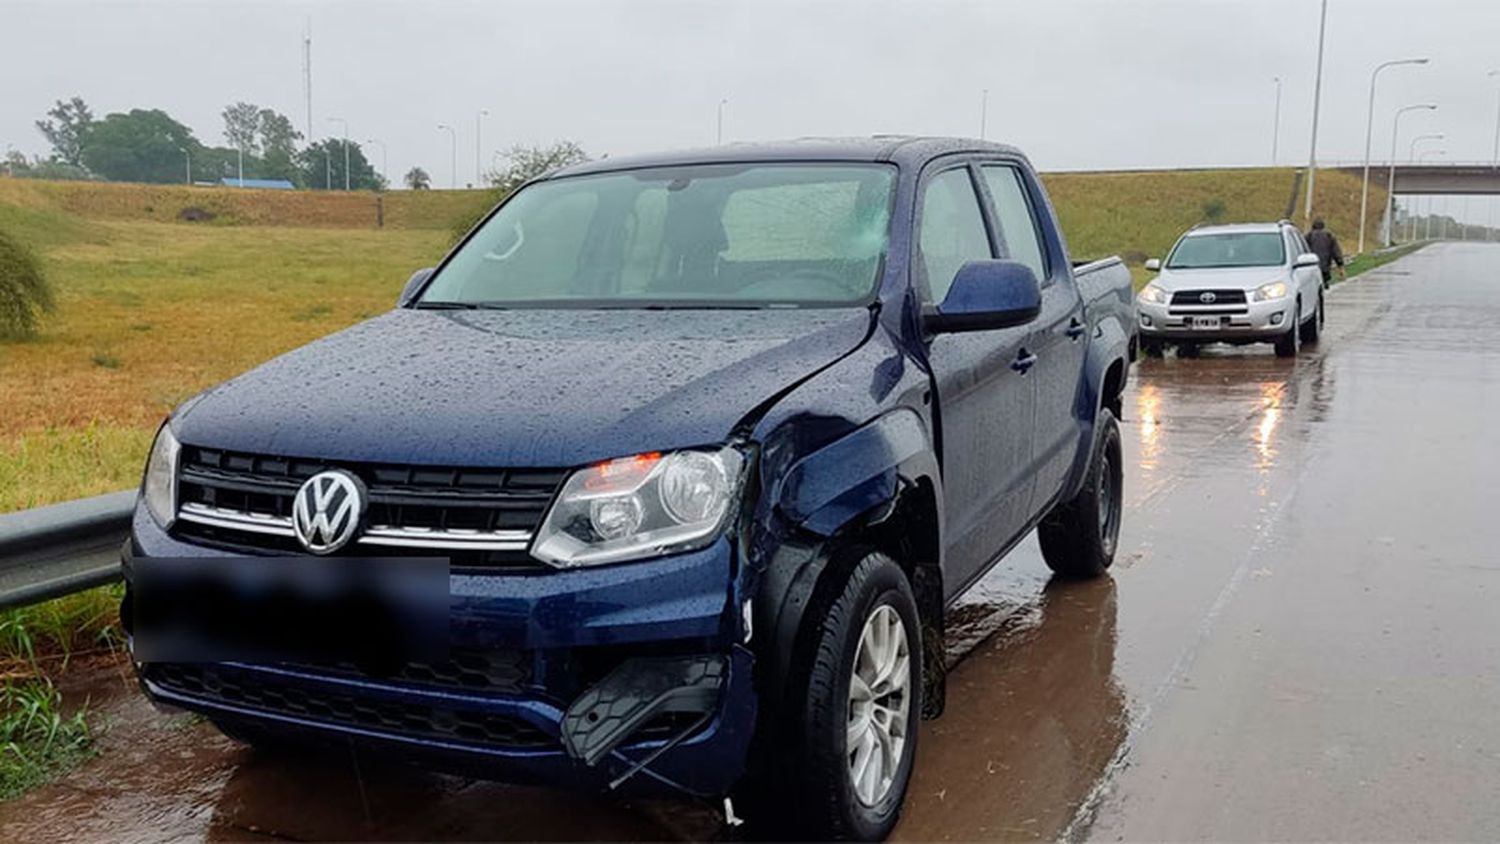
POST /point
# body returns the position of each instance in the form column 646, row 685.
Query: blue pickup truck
column 703, row 443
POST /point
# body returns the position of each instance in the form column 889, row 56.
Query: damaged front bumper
column 632, row 676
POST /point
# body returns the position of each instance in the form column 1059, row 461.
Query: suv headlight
column 159, row 486
column 642, row 506
column 1153, row 295
column 1268, row 291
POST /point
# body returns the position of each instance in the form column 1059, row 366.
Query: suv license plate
column 1205, row 323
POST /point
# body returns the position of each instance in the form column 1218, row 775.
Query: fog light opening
column 1276, row 318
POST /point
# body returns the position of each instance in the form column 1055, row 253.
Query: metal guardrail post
column 52, row 551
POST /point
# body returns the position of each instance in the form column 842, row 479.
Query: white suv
column 1244, row 283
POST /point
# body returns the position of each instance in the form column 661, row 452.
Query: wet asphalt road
column 1299, row 639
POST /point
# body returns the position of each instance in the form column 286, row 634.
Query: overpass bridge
column 1452, row 179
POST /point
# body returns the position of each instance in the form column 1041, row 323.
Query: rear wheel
column 1151, row 348
column 1079, row 537
column 863, row 702
column 1187, row 350
column 1313, row 328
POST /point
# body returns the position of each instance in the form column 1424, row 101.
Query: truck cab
column 695, row 449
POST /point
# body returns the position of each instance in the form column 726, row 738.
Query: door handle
column 1023, row 362
column 1075, row 328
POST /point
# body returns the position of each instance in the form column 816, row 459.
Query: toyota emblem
column 1208, row 297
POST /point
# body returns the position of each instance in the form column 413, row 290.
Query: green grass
column 1370, row 260
column 37, row 741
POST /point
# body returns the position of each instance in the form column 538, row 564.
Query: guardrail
column 52, row 551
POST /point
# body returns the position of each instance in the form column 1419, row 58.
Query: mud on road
column 1298, row 639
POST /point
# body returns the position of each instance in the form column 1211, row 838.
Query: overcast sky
column 1079, row 84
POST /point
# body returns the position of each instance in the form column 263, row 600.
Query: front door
column 984, row 403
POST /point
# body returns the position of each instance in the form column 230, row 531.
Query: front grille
column 270, row 694
column 501, row 671
column 1220, row 297
column 245, row 501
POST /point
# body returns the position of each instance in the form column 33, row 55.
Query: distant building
column 264, row 184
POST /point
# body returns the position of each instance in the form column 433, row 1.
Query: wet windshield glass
column 711, row 236
column 1231, row 249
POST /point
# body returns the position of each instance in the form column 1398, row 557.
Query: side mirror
column 1307, row 259
column 1153, row 264
column 413, row 285
column 987, row 295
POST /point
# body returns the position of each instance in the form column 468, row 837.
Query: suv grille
column 1220, row 297
column 477, row 517
column 448, row 720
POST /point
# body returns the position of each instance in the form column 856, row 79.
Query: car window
column 952, row 232
column 1228, row 249
column 1020, row 239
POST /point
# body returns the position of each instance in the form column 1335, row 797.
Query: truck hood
column 520, row 388
column 1227, row 278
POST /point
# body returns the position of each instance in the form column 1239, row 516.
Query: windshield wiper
column 445, row 306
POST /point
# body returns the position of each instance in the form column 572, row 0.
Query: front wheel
column 1079, row 536
column 1288, row 343
column 863, row 702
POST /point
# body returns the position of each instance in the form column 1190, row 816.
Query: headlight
column 1268, row 291
column 641, row 506
column 1153, row 295
column 159, row 486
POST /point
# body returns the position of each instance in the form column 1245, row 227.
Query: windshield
column 1230, row 249
column 707, row 236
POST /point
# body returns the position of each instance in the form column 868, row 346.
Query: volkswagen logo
column 327, row 511
column 1208, row 297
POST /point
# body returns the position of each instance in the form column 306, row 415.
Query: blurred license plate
column 1205, row 323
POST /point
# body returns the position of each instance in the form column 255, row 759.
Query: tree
column 242, row 127
column 278, row 147
column 417, row 179
column 527, row 162
column 70, row 122
column 322, row 165
column 139, row 146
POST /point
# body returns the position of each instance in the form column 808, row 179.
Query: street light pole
column 984, row 113
column 453, row 162
column 1495, row 160
column 189, row 158
column 241, row 151
column 384, row 160
column 478, row 145
column 1411, row 156
column 1364, row 194
column 1390, row 183
column 1276, row 122
column 1312, row 156
column 1427, row 233
column 719, row 132
column 345, row 124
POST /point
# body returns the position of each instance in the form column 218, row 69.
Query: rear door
column 984, row 405
column 1058, row 337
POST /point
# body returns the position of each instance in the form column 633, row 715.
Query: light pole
column 479, row 144
column 1276, row 122
column 1390, row 182
column 189, row 158
column 384, row 160
column 984, row 112
column 453, row 164
column 345, row 124
column 1495, row 160
column 241, row 151
column 1411, row 227
column 719, row 132
column 1364, row 193
column 1312, row 156
column 1427, row 233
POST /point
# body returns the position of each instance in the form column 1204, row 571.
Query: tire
column 1187, row 350
column 1288, row 344
column 1313, row 328
column 1079, row 537
column 1152, row 348
column 829, row 804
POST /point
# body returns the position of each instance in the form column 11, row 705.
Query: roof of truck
column 902, row 150
column 1223, row 228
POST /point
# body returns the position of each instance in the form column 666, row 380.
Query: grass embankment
column 1370, row 260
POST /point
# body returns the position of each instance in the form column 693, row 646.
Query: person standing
column 1322, row 242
